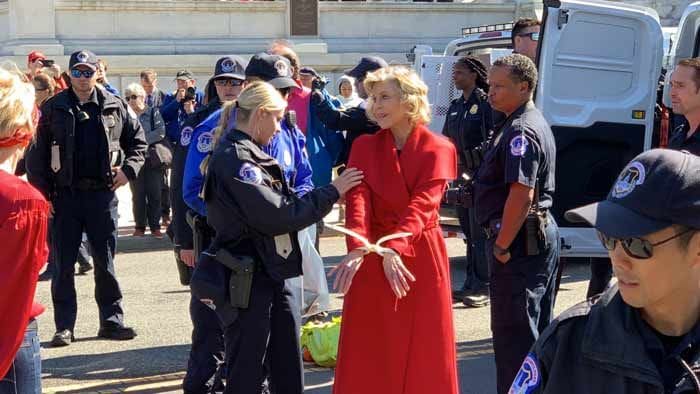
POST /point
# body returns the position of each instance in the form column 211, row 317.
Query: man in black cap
column 89, row 143
column 353, row 120
column 685, row 98
column 468, row 125
column 642, row 335
column 177, row 106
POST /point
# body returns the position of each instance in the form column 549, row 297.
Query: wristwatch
column 499, row 251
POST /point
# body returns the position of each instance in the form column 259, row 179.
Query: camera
column 462, row 196
column 190, row 94
column 47, row 63
column 319, row 83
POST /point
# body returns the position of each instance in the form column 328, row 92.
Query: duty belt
column 91, row 184
column 492, row 231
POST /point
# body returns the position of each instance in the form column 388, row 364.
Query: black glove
column 319, row 84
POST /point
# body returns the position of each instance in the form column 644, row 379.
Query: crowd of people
column 251, row 161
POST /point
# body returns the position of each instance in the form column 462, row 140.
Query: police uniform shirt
column 523, row 151
column 464, row 124
column 665, row 350
column 89, row 138
column 680, row 141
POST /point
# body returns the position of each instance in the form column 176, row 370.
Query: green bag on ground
column 321, row 340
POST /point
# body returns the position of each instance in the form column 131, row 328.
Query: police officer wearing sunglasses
column 642, row 335
column 89, row 144
column 525, row 37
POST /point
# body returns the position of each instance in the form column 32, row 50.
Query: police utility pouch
column 241, row 281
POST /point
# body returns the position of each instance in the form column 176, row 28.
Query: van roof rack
column 487, row 28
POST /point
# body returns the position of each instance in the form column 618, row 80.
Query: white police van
column 599, row 65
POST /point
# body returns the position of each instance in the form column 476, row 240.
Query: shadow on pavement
column 474, row 362
column 117, row 365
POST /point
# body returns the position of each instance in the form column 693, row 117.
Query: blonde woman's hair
column 414, row 91
column 17, row 103
column 255, row 96
column 135, row 89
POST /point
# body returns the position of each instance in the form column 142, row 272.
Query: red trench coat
column 390, row 345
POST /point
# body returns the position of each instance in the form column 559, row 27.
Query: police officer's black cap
column 273, row 69
column 230, row 67
column 83, row 58
column 366, row 65
column 657, row 189
column 308, row 71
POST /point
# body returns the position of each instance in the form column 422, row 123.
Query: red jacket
column 24, row 217
column 299, row 101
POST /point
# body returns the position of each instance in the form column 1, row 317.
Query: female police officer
column 256, row 216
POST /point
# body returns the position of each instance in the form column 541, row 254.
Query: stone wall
column 670, row 11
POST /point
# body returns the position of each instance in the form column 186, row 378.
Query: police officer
column 353, row 120
column 468, row 124
column 685, row 98
column 513, row 194
column 206, row 353
column 88, row 145
column 642, row 335
column 256, row 216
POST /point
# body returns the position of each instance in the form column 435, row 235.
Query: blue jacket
column 111, row 89
column 324, row 145
column 174, row 114
column 287, row 147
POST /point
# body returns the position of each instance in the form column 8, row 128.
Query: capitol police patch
column 528, row 377
column 205, row 142
column 631, row 177
column 250, row 173
column 186, row 136
column 227, row 66
column 518, row 146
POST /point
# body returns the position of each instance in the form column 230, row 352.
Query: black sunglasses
column 638, row 248
column 228, row 82
column 75, row 73
column 132, row 97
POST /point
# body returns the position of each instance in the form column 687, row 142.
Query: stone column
column 32, row 26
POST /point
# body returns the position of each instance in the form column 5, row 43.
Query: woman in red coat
column 23, row 225
column 397, row 335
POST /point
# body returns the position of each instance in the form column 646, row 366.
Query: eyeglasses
column 638, row 248
column 228, row 82
column 534, row 36
column 75, row 73
column 132, row 97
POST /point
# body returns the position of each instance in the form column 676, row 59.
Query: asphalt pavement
column 157, row 306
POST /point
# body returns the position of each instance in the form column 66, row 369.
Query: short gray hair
column 522, row 69
column 135, row 89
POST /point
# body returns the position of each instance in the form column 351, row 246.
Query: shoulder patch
column 250, row 173
column 186, row 136
column 528, row 377
column 518, row 145
column 205, row 141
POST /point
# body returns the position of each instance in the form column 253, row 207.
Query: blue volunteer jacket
column 174, row 114
column 324, row 145
column 287, row 147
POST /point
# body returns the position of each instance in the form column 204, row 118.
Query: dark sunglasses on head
column 132, row 97
column 228, row 82
column 75, row 73
column 534, row 36
column 638, row 248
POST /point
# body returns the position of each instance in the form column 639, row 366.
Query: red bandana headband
column 21, row 137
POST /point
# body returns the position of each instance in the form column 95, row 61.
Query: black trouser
column 477, row 278
column 165, row 194
column 601, row 274
column 522, row 301
column 207, row 351
column 265, row 340
column 146, row 198
column 95, row 213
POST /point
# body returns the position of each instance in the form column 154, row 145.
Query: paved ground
column 157, row 306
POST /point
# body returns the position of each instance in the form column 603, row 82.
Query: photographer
column 37, row 64
column 178, row 105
